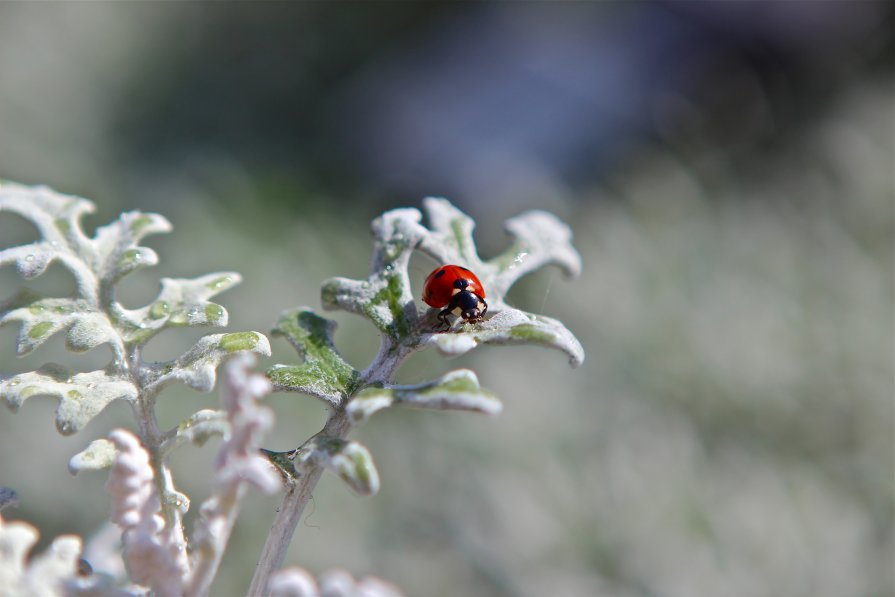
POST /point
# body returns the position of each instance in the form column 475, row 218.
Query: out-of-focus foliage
column 494, row 105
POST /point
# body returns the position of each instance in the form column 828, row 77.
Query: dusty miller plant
column 386, row 299
column 146, row 506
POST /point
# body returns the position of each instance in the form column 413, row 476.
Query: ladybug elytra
column 458, row 290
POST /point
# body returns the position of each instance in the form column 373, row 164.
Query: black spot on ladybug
column 461, row 283
column 464, row 269
column 440, row 273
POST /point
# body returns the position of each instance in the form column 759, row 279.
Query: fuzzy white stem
column 219, row 520
column 298, row 494
column 288, row 516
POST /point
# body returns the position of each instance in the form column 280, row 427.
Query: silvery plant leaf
column 349, row 460
column 93, row 317
column 324, row 373
column 457, row 390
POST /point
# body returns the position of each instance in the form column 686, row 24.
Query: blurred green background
column 728, row 172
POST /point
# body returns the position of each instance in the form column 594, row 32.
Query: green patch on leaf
column 139, row 223
column 238, row 341
column 531, row 333
column 463, row 237
column 324, row 373
column 221, row 283
column 391, row 297
column 99, row 455
column 159, row 309
column 129, row 258
column 40, row 330
column 329, row 293
column 81, row 395
column 213, row 312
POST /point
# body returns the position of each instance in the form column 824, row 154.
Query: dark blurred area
column 497, row 105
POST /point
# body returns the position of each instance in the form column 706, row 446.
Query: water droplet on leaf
column 159, row 309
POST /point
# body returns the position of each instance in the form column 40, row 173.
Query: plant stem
column 289, row 514
column 390, row 356
column 218, row 518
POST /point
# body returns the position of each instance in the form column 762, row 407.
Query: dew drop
column 220, row 283
column 14, row 382
column 29, row 257
column 159, row 309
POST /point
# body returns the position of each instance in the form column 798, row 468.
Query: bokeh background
column 728, row 172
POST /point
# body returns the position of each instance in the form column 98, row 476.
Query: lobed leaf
column 93, row 316
column 350, row 460
column 181, row 302
column 449, row 239
column 41, row 318
column 97, row 456
column 385, row 297
column 81, row 396
column 197, row 429
column 114, row 247
column 96, row 263
column 509, row 326
column 457, row 390
column 57, row 219
column 324, row 373
column 539, row 239
column 197, row 367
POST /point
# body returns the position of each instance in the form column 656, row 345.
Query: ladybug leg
column 444, row 323
column 484, row 308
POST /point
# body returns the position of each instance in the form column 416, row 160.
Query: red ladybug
column 458, row 290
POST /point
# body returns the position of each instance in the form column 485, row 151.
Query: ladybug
column 458, row 290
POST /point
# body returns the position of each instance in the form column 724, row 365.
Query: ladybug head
column 470, row 305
